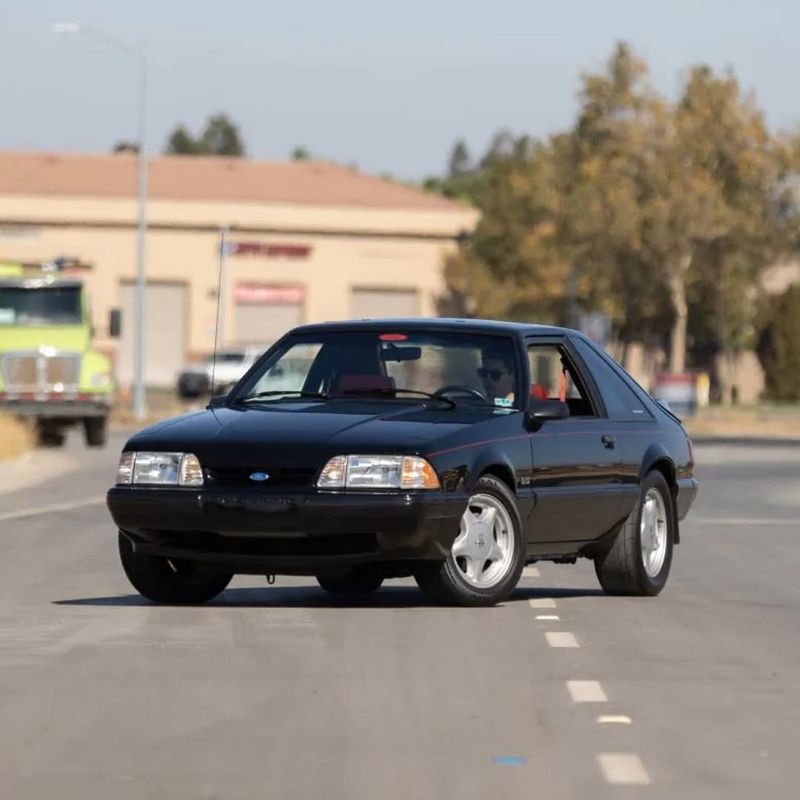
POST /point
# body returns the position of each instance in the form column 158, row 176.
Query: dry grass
column 760, row 421
column 16, row 437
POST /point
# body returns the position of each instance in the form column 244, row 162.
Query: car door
column 577, row 464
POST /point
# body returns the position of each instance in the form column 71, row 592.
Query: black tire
column 95, row 431
column 621, row 569
column 359, row 580
column 164, row 581
column 50, row 435
column 442, row 581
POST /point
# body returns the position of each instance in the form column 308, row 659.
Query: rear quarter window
column 620, row 400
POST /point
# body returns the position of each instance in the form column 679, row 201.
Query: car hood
column 306, row 433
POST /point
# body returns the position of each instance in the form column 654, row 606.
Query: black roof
column 434, row 323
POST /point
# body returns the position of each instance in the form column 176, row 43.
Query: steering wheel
column 461, row 389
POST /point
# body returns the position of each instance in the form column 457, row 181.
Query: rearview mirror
column 541, row 410
column 114, row 323
column 395, row 353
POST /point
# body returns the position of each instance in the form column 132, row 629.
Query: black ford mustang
column 455, row 451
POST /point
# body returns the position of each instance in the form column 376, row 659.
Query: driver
column 497, row 374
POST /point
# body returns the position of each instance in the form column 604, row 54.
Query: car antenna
column 223, row 255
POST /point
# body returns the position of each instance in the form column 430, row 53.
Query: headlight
column 160, row 469
column 378, row 472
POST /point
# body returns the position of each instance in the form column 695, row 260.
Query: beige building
column 308, row 241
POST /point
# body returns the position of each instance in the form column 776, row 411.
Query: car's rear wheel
column 359, row 580
column 164, row 580
column 639, row 559
column 487, row 556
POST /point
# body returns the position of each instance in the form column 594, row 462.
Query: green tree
column 125, row 146
column 779, row 348
column 182, row 143
column 220, row 137
column 460, row 163
column 300, row 153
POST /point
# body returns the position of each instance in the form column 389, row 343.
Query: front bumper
column 56, row 408
column 258, row 532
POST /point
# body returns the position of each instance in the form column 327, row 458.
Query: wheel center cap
column 480, row 536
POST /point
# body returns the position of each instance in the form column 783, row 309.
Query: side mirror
column 541, row 410
column 114, row 323
column 217, row 401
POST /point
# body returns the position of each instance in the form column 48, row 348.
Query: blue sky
column 388, row 86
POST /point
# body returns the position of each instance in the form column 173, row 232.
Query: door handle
column 608, row 441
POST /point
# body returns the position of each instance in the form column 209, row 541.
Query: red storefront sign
column 254, row 294
column 269, row 249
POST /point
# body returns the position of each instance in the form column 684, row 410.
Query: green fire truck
column 48, row 371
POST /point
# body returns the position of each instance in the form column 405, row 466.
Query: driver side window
column 554, row 378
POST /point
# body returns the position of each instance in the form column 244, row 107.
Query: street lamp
column 139, row 54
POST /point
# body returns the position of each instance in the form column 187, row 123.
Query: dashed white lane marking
column 561, row 639
column 623, row 769
column 52, row 509
column 614, row 719
column 542, row 602
column 548, row 616
column 531, row 572
column 742, row 521
column 586, row 692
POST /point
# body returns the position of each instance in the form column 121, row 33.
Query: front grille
column 279, row 477
column 38, row 372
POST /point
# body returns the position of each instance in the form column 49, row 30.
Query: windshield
column 52, row 305
column 395, row 364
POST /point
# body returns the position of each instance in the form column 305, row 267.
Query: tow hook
column 270, row 579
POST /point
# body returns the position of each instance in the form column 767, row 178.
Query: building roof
column 209, row 179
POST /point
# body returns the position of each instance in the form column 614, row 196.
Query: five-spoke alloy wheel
column 487, row 556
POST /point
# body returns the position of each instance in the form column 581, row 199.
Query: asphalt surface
column 283, row 692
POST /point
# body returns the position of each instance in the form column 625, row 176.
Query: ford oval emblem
column 259, row 476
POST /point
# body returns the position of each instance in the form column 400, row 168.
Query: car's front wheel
column 163, row 580
column 487, row 556
column 639, row 559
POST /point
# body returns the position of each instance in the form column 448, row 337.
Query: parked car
column 455, row 451
column 194, row 380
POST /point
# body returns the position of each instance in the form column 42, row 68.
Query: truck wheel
column 49, row 434
column 358, row 580
column 488, row 555
column 95, row 431
column 638, row 561
column 163, row 580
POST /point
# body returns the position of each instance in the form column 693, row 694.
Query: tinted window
column 551, row 372
column 621, row 401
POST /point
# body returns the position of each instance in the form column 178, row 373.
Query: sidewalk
column 778, row 424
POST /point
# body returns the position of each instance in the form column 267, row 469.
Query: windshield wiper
column 282, row 393
column 378, row 393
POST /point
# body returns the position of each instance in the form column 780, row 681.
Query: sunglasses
column 492, row 374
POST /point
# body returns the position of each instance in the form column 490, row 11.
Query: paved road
column 282, row 692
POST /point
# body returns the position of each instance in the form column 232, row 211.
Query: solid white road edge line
column 561, row 639
column 52, row 509
column 623, row 769
column 586, row 692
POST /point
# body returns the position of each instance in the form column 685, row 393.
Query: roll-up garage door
column 165, row 333
column 376, row 303
column 264, row 312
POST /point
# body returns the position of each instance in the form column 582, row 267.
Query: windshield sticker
column 503, row 402
column 6, row 316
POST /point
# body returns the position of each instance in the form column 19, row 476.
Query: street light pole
column 139, row 54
